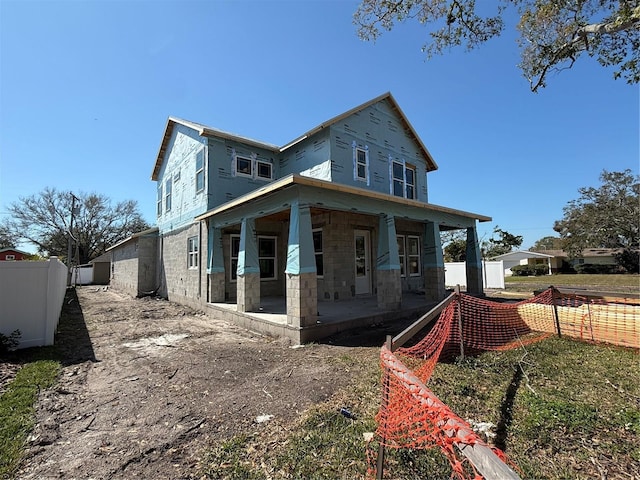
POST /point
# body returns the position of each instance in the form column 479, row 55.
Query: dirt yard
column 147, row 384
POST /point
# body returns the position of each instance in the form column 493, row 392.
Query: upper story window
column 159, row 199
column 243, row 166
column 167, row 195
column 200, row 171
column 192, row 252
column 410, row 181
column 403, row 180
column 360, row 164
column 264, row 170
column 252, row 167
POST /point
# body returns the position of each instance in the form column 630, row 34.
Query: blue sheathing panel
column 225, row 183
column 215, row 252
column 179, row 167
column 473, row 257
column 388, row 255
column 308, row 156
column 300, row 253
column 248, row 260
column 378, row 129
column 432, row 246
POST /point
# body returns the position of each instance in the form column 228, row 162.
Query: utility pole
column 69, row 244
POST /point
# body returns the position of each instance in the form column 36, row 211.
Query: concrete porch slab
column 333, row 317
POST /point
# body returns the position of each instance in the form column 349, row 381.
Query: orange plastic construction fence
column 412, row 417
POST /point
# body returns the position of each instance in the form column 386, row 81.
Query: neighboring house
column 339, row 213
column 558, row 260
column 11, row 254
column 588, row 256
column 524, row 257
column 101, row 269
column 134, row 263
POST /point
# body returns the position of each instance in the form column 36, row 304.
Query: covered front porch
column 377, row 258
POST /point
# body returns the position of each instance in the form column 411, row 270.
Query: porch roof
column 340, row 197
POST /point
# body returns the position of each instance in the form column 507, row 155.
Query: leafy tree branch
column 553, row 34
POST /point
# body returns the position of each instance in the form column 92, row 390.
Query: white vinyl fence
column 31, row 297
column 455, row 273
column 82, row 275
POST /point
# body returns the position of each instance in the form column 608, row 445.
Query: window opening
column 404, row 180
column 317, row 249
column 409, row 254
column 159, row 199
column 243, row 166
column 167, row 196
column 193, row 250
column 267, row 257
column 264, row 170
column 200, row 171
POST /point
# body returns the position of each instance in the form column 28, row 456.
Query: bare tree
column 6, row 238
column 44, row 220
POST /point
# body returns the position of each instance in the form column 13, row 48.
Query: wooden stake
column 385, row 401
column 554, row 296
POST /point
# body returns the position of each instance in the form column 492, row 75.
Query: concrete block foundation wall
column 147, row 262
column 124, row 268
column 177, row 281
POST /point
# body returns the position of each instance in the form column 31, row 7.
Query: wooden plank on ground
column 483, row 458
column 409, row 332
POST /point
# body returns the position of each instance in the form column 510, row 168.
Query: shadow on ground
column 372, row 336
column 72, row 341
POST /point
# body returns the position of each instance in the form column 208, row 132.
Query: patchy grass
column 560, row 409
column 574, row 413
column 611, row 282
column 39, row 371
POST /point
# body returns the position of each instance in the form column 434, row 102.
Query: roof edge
column 431, row 164
column 295, row 179
column 148, row 231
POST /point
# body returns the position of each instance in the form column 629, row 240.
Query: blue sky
column 86, row 89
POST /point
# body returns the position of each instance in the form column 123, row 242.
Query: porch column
column 474, row 262
column 215, row 264
column 302, row 282
column 248, row 273
column 433, row 263
column 388, row 282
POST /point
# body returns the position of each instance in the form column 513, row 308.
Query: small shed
column 523, row 257
column 101, row 269
column 133, row 263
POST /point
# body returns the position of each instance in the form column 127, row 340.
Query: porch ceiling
column 276, row 198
